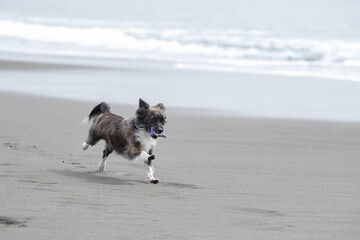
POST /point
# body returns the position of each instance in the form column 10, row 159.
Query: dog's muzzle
column 158, row 133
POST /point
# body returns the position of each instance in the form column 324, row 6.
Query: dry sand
column 220, row 178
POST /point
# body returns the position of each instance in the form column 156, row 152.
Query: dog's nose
column 160, row 130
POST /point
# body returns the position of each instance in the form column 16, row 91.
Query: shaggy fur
column 129, row 137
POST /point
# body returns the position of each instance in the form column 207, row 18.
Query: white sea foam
column 207, row 49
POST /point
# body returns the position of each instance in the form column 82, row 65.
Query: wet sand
column 220, row 177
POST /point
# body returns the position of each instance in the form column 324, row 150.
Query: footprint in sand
column 8, row 221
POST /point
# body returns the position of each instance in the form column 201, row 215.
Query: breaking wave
column 238, row 50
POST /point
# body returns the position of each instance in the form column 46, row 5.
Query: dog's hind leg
column 85, row 146
column 90, row 141
column 106, row 153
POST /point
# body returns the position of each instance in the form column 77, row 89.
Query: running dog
column 134, row 137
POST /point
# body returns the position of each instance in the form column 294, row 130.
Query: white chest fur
column 146, row 141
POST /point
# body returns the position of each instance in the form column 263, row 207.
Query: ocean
column 274, row 58
column 278, row 37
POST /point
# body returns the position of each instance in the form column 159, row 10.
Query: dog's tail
column 102, row 108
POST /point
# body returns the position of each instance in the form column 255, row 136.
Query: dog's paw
column 102, row 167
column 152, row 157
column 85, row 146
column 154, row 181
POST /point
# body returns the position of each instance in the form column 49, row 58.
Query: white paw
column 149, row 172
column 150, row 175
column 102, row 166
column 85, row 146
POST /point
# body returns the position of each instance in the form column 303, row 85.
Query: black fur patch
column 102, row 108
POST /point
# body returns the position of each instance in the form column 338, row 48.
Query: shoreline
column 11, row 65
column 243, row 95
column 200, row 112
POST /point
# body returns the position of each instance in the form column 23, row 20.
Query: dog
column 133, row 137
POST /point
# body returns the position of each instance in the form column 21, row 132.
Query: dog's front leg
column 150, row 171
column 147, row 158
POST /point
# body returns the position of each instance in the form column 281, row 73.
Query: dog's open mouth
column 155, row 134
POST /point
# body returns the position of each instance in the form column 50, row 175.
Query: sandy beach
column 220, row 177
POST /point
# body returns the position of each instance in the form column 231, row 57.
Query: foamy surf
column 238, row 50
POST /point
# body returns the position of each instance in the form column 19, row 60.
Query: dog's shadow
column 97, row 177
column 101, row 178
column 179, row 185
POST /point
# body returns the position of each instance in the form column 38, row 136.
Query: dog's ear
column 143, row 104
column 141, row 113
column 160, row 106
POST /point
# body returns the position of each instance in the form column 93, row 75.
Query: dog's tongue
column 153, row 133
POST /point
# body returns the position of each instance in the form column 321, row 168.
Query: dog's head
column 149, row 117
